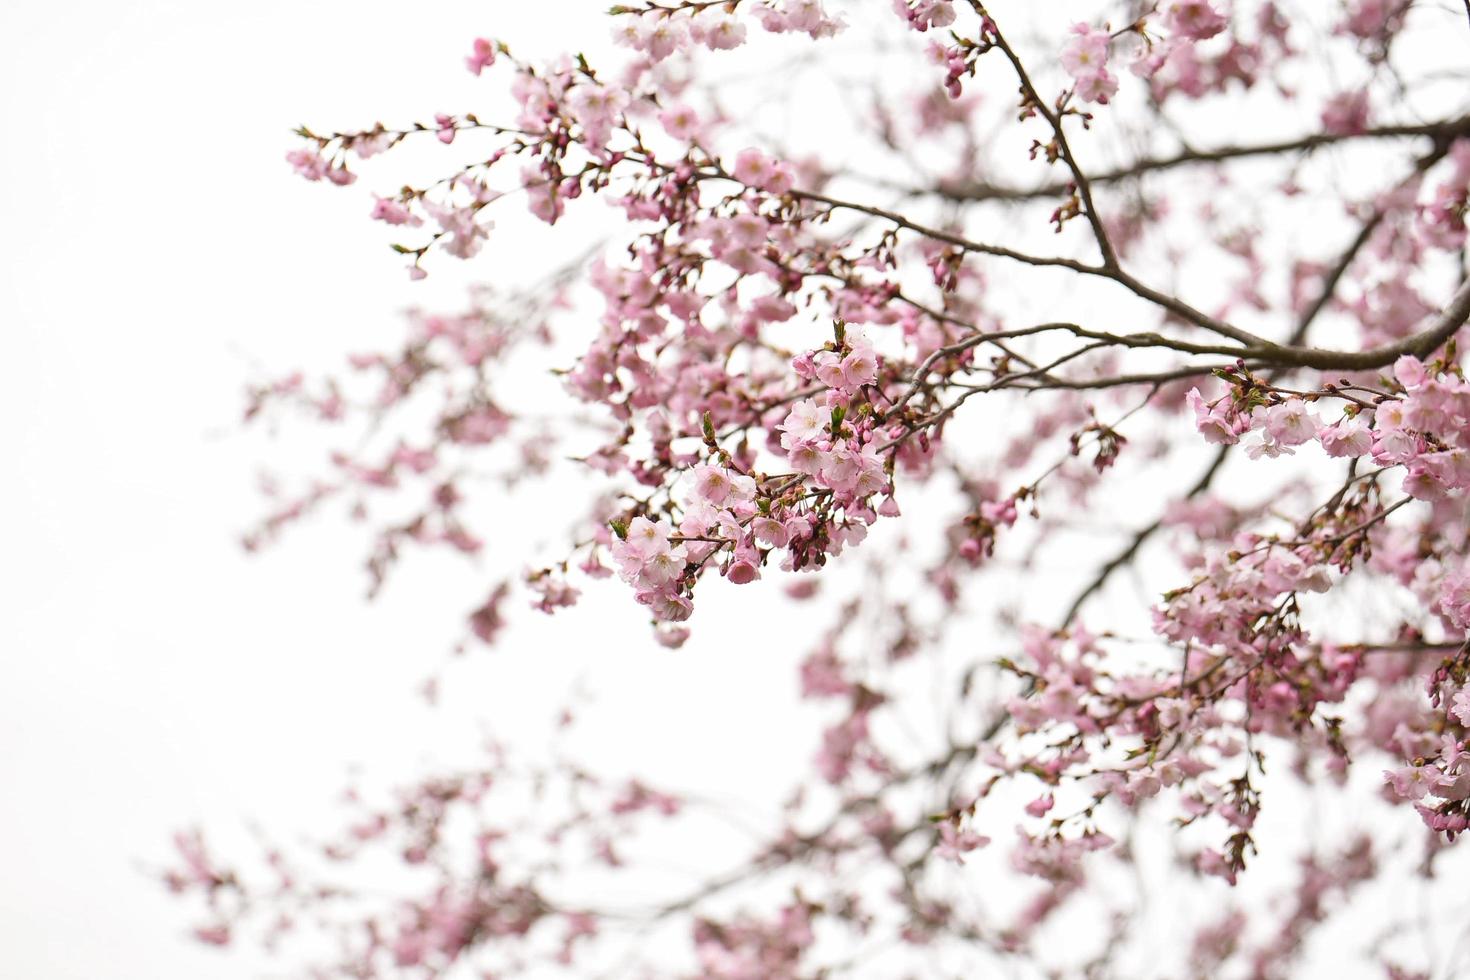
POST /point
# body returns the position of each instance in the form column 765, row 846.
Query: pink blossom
column 1454, row 597
column 754, row 169
column 1409, row 371
column 680, row 122
column 1085, row 57
column 770, row 531
column 482, row 56
column 1349, row 437
column 447, row 129
column 725, row 34
column 1289, row 423
column 667, row 607
column 1346, row 113
column 1460, row 707
column 1099, row 86
column 671, row 637
column 646, row 538
column 308, row 163
column 1211, row 420
column 392, row 212
column 925, row 14
column 1265, row 444
column 1195, row 19
column 663, row 36
column 1086, row 52
column 742, row 572
column 718, row 486
column 214, row 935
column 1040, row 806
column 954, row 843
column 1410, row 782
column 806, row 420
column 860, row 367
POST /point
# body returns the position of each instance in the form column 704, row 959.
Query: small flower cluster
column 733, row 443
column 1085, row 58
column 746, row 948
column 655, row 568
column 924, row 15
column 1442, row 220
column 1421, row 426
column 312, row 165
column 1438, row 786
column 659, row 36
column 658, row 30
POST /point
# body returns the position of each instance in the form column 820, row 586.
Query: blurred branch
column 1443, row 132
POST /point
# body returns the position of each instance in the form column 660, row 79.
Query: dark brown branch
column 1054, row 119
column 1174, row 305
column 1442, row 132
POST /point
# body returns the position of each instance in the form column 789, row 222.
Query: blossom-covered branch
column 885, row 364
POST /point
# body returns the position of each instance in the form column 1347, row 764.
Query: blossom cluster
column 1420, row 426
column 658, row 31
column 1085, row 56
column 766, row 361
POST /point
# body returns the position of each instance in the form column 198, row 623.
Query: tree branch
column 1442, row 132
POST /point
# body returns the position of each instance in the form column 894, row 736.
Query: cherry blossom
column 1105, row 455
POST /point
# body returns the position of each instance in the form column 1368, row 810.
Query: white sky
column 156, row 251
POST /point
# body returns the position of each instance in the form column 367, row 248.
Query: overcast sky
column 158, row 254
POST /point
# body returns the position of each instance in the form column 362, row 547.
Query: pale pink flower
column 954, row 843
column 446, row 130
column 663, row 567
column 1460, row 707
column 806, row 420
column 841, row 467
column 1289, row 423
column 1349, row 437
column 308, row 163
column 680, row 122
column 1085, row 57
column 1411, row 782
column 663, row 37
column 371, row 144
column 754, row 169
column 1194, row 19
column 646, row 538
column 725, row 34
column 667, row 607
column 803, row 456
column 1454, row 597
column 860, row 367
column 1346, row 114
column 712, row 484
column 1099, row 87
column 1263, row 443
column 742, row 572
column 672, row 637
column 1040, row 806
column 482, row 56
column 1409, row 371
column 394, row 213
column 1086, row 52
column 1211, row 421
column 770, row 531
